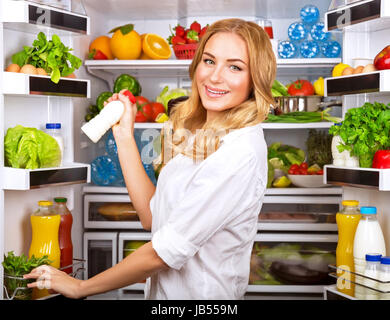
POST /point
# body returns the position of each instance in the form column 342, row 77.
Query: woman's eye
column 235, row 68
column 208, row 61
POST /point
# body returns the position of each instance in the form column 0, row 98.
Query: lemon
column 319, row 86
column 338, row 69
column 314, row 168
column 162, row 117
column 282, row 182
column 156, row 47
column 125, row 43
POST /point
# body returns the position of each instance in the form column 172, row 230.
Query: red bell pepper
column 381, row 159
column 382, row 59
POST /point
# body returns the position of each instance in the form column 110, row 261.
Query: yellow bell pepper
column 319, row 86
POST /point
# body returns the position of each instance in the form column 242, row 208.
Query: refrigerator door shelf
column 371, row 82
column 25, row 179
column 358, row 177
column 32, row 85
column 32, row 17
column 363, row 16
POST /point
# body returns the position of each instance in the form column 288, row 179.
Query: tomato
column 301, row 88
column 140, row 117
column 291, row 171
column 294, row 167
column 320, row 172
column 157, row 108
column 303, row 171
column 141, row 100
column 303, row 165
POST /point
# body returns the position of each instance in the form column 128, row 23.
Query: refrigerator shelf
column 32, row 17
column 364, row 16
column 26, row 179
column 372, row 82
column 33, row 85
column 358, row 177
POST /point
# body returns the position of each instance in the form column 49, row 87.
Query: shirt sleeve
column 219, row 191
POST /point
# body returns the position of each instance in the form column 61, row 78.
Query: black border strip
column 364, row 83
column 43, row 178
column 44, row 86
column 355, row 178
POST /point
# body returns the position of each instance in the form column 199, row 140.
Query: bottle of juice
column 45, row 225
column 65, row 233
column 347, row 221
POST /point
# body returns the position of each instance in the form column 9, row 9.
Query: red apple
column 382, row 59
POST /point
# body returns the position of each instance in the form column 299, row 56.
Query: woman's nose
column 217, row 74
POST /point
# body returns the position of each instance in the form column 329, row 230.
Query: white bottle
column 342, row 159
column 54, row 129
column 373, row 262
column 107, row 117
column 384, row 276
column 368, row 238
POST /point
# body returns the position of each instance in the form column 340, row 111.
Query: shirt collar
column 238, row 132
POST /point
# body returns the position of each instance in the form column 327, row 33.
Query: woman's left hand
column 55, row 280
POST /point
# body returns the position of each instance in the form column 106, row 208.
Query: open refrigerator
column 78, row 23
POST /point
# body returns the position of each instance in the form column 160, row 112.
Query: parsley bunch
column 52, row 55
column 364, row 131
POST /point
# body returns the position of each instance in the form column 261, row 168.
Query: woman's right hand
column 124, row 129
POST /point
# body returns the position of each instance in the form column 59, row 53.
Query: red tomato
column 304, row 165
column 157, row 108
column 291, row 171
column 141, row 100
column 301, row 88
column 320, row 172
column 140, row 117
column 294, row 167
column 303, row 171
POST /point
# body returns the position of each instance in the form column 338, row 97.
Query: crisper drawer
column 100, row 252
column 291, row 262
column 299, row 213
column 110, row 212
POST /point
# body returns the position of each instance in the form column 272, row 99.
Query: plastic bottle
column 287, row 49
column 107, row 117
column 65, row 233
column 310, row 14
column 317, row 32
column 373, row 261
column 297, row 31
column 368, row 238
column 384, row 276
column 105, row 171
column 347, row 221
column 54, row 129
column 309, row 49
column 45, row 224
column 331, row 49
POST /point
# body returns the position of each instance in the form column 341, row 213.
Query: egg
column 347, row 71
column 13, row 67
column 41, row 72
column 28, row 69
column 369, row 68
column 358, row 69
column 72, row 75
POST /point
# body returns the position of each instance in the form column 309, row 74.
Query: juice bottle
column 45, row 224
column 65, row 233
column 347, row 221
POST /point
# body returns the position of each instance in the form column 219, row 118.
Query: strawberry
column 180, row 31
column 203, row 31
column 97, row 55
column 195, row 26
column 178, row 40
column 192, row 36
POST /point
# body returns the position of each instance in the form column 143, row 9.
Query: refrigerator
column 32, row 101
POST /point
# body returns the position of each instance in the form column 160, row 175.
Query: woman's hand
column 124, row 129
column 55, row 281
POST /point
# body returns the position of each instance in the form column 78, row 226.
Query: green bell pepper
column 126, row 81
column 101, row 98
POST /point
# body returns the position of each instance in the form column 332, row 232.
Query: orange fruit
column 102, row 43
column 156, row 47
column 125, row 44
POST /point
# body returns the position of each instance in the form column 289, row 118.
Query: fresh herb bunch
column 319, row 144
column 364, row 131
column 52, row 55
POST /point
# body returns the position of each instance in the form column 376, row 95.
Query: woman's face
column 223, row 75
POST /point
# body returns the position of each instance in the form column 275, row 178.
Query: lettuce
column 166, row 95
column 30, row 148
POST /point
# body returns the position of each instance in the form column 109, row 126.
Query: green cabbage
column 166, row 95
column 30, row 148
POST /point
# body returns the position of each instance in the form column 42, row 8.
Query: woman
column 203, row 213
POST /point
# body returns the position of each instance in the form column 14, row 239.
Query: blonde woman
column 203, row 212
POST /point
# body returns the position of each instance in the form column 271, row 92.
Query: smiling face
column 223, row 76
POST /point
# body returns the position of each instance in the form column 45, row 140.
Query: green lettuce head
column 30, row 148
column 166, row 95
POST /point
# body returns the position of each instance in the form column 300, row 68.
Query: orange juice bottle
column 347, row 221
column 45, row 225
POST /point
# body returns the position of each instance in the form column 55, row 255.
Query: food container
column 185, row 51
column 118, row 211
column 307, row 181
column 303, row 103
column 16, row 288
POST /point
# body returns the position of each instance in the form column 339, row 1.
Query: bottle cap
column 385, row 260
column 60, row 199
column 350, row 203
column 53, row 125
column 373, row 257
column 45, row 203
column 368, row 210
column 338, row 124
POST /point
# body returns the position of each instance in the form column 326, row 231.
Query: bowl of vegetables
column 303, row 176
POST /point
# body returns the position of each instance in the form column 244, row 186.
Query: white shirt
column 204, row 219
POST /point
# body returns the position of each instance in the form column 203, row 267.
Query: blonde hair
column 190, row 115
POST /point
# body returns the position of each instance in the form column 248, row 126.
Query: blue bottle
column 297, row 31
column 317, row 32
column 310, row 14
column 309, row 49
column 105, row 171
column 110, row 145
column 287, row 49
column 331, row 49
column 150, row 172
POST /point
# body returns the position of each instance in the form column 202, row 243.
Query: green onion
column 303, row 117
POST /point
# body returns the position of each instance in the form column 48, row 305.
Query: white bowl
column 307, row 181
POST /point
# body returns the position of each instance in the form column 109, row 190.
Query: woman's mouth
column 215, row 93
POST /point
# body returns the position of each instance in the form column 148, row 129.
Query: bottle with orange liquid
column 45, row 225
column 65, row 233
column 347, row 221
